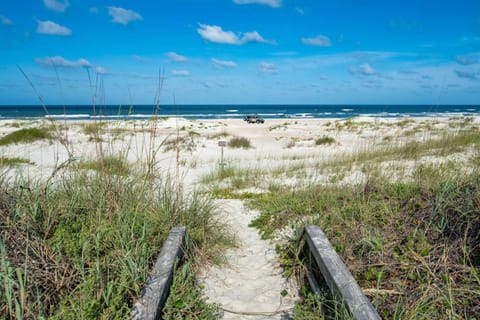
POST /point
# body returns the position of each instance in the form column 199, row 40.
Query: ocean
column 199, row 112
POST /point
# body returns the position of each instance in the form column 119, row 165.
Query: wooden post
column 222, row 144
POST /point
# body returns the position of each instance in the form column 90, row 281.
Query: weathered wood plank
column 336, row 275
column 155, row 293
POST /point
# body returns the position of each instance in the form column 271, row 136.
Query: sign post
column 222, row 144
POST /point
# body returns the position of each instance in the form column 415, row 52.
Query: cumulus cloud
column 176, row 57
column 319, row 41
column 216, row 34
column 123, row 16
column 268, row 68
column 465, row 60
column 5, row 21
column 467, row 75
column 52, row 28
column 180, row 73
column 223, row 64
column 253, row 36
column 271, row 3
column 61, row 62
column 363, row 70
column 55, row 5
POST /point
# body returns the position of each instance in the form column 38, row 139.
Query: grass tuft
column 110, row 165
column 240, row 142
column 25, row 136
column 324, row 140
column 10, row 162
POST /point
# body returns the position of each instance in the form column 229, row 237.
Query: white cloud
column 271, row 3
column 223, row 64
column 218, row 35
column 50, row 27
column 319, row 41
column 253, row 36
column 268, row 68
column 176, row 57
column 93, row 10
column 123, row 16
column 55, row 5
column 5, row 21
column 180, row 73
column 61, row 62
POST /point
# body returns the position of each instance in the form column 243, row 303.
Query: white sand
column 251, row 286
column 252, row 282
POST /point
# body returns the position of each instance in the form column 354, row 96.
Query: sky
column 240, row 52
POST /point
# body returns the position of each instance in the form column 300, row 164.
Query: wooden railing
column 336, row 275
column 155, row 294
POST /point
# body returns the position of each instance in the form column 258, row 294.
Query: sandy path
column 251, row 285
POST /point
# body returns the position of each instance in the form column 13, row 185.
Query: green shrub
column 83, row 247
column 239, row 142
column 25, row 136
column 324, row 140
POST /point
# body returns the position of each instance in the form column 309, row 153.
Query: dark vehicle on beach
column 253, row 118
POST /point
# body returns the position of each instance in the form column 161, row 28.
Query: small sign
column 222, row 143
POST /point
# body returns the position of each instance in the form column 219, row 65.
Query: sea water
column 199, row 112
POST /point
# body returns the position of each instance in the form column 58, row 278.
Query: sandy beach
column 285, row 151
column 276, row 143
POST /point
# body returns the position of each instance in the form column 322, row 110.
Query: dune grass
column 412, row 243
column 239, row 142
column 415, row 246
column 108, row 164
column 26, row 135
column 324, row 140
column 12, row 161
column 80, row 246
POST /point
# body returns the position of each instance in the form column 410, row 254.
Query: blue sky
column 240, row 51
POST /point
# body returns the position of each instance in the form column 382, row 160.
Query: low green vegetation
column 324, row 140
column 219, row 135
column 109, row 165
column 186, row 143
column 415, row 246
column 186, row 301
column 82, row 247
column 412, row 241
column 94, row 130
column 240, row 142
column 9, row 162
column 25, row 136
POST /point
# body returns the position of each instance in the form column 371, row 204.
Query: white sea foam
column 69, row 116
